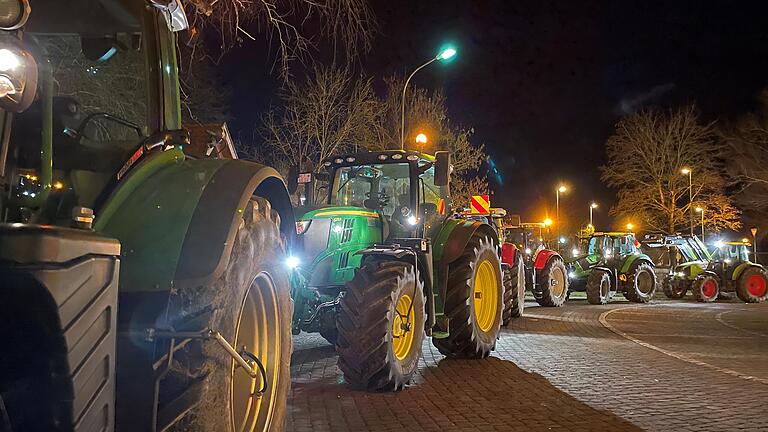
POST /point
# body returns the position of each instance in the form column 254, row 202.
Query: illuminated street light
column 445, row 55
column 591, row 207
column 629, row 227
column 547, row 221
column 421, row 139
column 689, row 172
column 560, row 189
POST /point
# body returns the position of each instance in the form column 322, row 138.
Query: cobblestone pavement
column 668, row 365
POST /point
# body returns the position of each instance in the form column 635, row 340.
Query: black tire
column 467, row 337
column 752, row 286
column 641, row 284
column 726, row 295
column 249, row 304
column 675, row 289
column 705, row 288
column 368, row 315
column 599, row 287
column 552, row 283
column 514, row 292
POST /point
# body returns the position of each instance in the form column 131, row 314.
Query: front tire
column 641, row 284
column 474, row 301
column 599, row 287
column 674, row 289
column 552, row 283
column 251, row 306
column 752, row 286
column 514, row 291
column 381, row 326
column 705, row 288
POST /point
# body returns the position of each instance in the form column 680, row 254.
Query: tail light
column 302, row 226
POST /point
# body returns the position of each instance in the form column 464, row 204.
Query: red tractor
column 545, row 273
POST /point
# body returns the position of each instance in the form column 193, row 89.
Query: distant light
column 727, row 260
column 527, row 251
column 745, row 240
column 680, row 274
column 630, row 226
column 421, row 138
column 547, row 221
column 719, row 244
column 699, row 209
column 685, row 171
column 412, row 220
column 447, row 54
column 58, row 185
column 571, row 275
column 562, row 189
column 593, row 205
column 575, row 252
column 562, row 240
column 292, row 262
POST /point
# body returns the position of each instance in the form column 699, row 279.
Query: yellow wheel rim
column 258, row 331
column 557, row 283
column 486, row 295
column 402, row 327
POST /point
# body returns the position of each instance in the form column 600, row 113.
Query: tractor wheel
column 674, row 289
column 250, row 305
column 599, row 287
column 641, row 284
column 752, row 286
column 514, row 292
column 381, row 326
column 474, row 301
column 705, row 288
column 552, row 284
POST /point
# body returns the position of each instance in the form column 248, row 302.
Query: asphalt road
column 668, row 365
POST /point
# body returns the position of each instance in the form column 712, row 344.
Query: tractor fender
column 454, row 236
column 634, row 260
column 508, row 254
column 743, row 266
column 543, row 257
column 207, row 246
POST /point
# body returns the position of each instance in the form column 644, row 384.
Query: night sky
column 543, row 82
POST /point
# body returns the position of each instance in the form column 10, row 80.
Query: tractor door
column 433, row 202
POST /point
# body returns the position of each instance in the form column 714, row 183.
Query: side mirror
column 442, row 168
column 18, row 76
column 293, row 179
column 174, row 14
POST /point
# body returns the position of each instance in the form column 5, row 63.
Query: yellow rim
column 486, row 291
column 257, row 331
column 558, row 282
column 402, row 327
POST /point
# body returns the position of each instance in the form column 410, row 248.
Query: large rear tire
column 752, row 286
column 250, row 305
column 552, row 283
column 474, row 301
column 381, row 326
column 514, row 291
column 705, row 288
column 641, row 284
column 674, row 289
column 599, row 287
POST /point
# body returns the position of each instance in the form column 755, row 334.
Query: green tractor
column 715, row 273
column 613, row 263
column 385, row 262
column 142, row 290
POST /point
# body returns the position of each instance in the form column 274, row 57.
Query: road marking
column 719, row 318
column 682, row 357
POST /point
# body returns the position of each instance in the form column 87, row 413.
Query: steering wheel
column 80, row 132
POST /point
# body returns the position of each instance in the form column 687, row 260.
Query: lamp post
column 444, row 55
column 689, row 172
column 560, row 189
column 591, row 207
column 701, row 210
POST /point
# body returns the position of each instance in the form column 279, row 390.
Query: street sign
column 305, row 178
column 754, row 231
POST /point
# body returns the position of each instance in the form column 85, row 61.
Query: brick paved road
column 679, row 366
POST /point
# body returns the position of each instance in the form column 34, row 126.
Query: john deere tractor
column 141, row 290
column 716, row 273
column 613, row 263
column 385, row 261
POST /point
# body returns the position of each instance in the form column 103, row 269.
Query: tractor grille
column 346, row 232
column 344, row 260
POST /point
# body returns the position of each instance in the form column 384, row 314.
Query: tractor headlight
column 575, row 252
column 680, row 274
column 571, row 275
column 18, row 75
column 412, row 220
column 292, row 262
column 302, row 226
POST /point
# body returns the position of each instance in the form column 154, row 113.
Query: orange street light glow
column 630, row 226
column 685, row 171
column 547, row 221
column 562, row 189
column 421, row 138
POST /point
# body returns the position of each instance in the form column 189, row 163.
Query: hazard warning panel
column 480, row 204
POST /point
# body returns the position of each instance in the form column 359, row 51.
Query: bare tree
column 332, row 112
column 645, row 157
column 294, row 26
column 463, row 187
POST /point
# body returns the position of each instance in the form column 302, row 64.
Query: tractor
column 142, row 290
column 613, row 262
column 685, row 258
column 545, row 272
column 385, row 262
column 734, row 271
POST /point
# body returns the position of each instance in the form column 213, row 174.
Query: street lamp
column 591, row 207
column 701, row 210
column 444, row 55
column 560, row 189
column 421, row 139
column 689, row 172
column 629, row 227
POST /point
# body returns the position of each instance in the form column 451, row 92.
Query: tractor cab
column 729, row 256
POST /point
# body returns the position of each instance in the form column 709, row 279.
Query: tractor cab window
column 626, row 245
column 91, row 98
column 739, row 253
column 596, row 246
column 433, row 200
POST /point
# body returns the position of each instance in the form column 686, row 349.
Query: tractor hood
column 329, row 239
